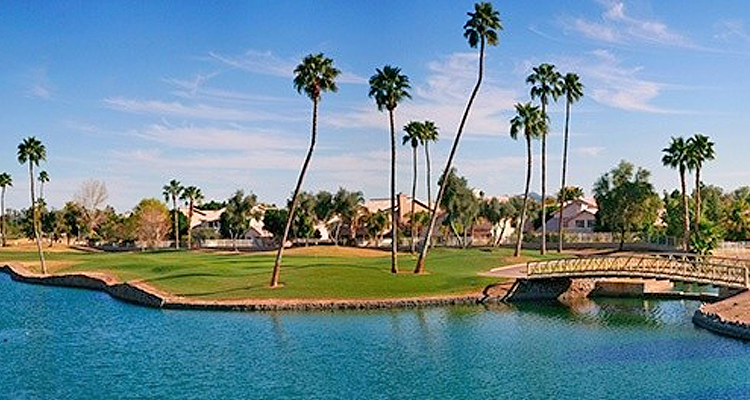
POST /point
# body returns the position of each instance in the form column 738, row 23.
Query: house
column 578, row 215
column 403, row 206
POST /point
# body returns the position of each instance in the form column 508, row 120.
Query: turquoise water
column 59, row 343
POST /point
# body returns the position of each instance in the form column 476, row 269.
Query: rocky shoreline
column 142, row 294
column 729, row 317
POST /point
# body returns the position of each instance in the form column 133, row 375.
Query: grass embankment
column 308, row 273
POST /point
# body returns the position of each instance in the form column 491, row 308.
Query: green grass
column 203, row 275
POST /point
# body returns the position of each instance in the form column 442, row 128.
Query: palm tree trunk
column 2, row 215
column 433, row 215
column 519, row 241
column 190, row 225
column 394, row 213
column 293, row 207
column 697, row 199
column 428, row 168
column 622, row 237
column 176, row 224
column 35, row 219
column 686, row 215
column 543, row 248
column 562, row 183
column 413, row 198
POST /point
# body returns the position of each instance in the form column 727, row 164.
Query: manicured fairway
column 315, row 272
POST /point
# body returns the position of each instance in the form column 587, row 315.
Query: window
column 580, row 224
column 590, row 223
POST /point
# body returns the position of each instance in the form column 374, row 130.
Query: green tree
column 545, row 83
column 496, row 212
column 461, row 206
column 274, row 221
column 91, row 197
column 32, row 150
column 677, row 156
column 235, row 220
column 389, row 87
column 375, row 223
column 572, row 88
column 700, row 149
column 531, row 122
column 323, row 207
column 346, row 206
column 193, row 196
column 480, row 30
column 314, row 75
column 5, row 181
column 173, row 190
column 627, row 201
column 151, row 220
column 429, row 134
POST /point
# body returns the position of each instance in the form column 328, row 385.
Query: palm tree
column 545, row 83
column 172, row 190
column 43, row 178
column 533, row 124
column 572, row 89
column 389, row 87
column 32, row 150
column 314, row 75
column 700, row 149
column 429, row 134
column 413, row 136
column 677, row 156
column 481, row 29
column 5, row 181
column 194, row 196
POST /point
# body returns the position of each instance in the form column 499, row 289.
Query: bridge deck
column 717, row 271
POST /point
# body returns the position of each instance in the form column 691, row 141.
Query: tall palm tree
column 572, row 88
column 480, row 30
column 43, row 178
column 545, row 83
column 531, row 122
column 172, row 190
column 389, row 87
column 413, row 136
column 676, row 156
column 32, row 150
column 429, row 134
column 194, row 196
column 5, row 181
column 314, row 75
column 700, row 150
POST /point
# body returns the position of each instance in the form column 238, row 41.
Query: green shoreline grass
column 221, row 276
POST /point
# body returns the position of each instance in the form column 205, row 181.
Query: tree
column 5, row 181
column 413, row 136
column 151, row 219
column 43, row 178
column 676, row 156
column 346, row 206
column 235, row 220
column 314, row 75
column 323, row 207
column 389, row 87
column 627, row 201
column 533, row 124
column 429, row 134
column 700, row 149
column 274, row 221
column 496, row 213
column 480, row 30
column 375, row 223
column 32, row 150
column 572, row 88
column 172, row 190
column 461, row 206
column 193, row 196
column 545, row 83
column 92, row 198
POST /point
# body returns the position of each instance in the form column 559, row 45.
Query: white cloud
column 39, row 85
column 616, row 25
column 212, row 138
column 593, row 151
column 196, row 111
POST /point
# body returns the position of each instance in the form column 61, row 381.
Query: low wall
column 563, row 289
column 716, row 324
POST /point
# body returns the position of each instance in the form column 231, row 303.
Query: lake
column 62, row 343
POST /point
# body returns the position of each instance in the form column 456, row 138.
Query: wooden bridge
column 718, row 271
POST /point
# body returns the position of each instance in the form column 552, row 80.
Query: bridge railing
column 708, row 270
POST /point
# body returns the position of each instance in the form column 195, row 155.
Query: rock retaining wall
column 716, row 324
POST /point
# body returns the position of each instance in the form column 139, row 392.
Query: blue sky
column 136, row 93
